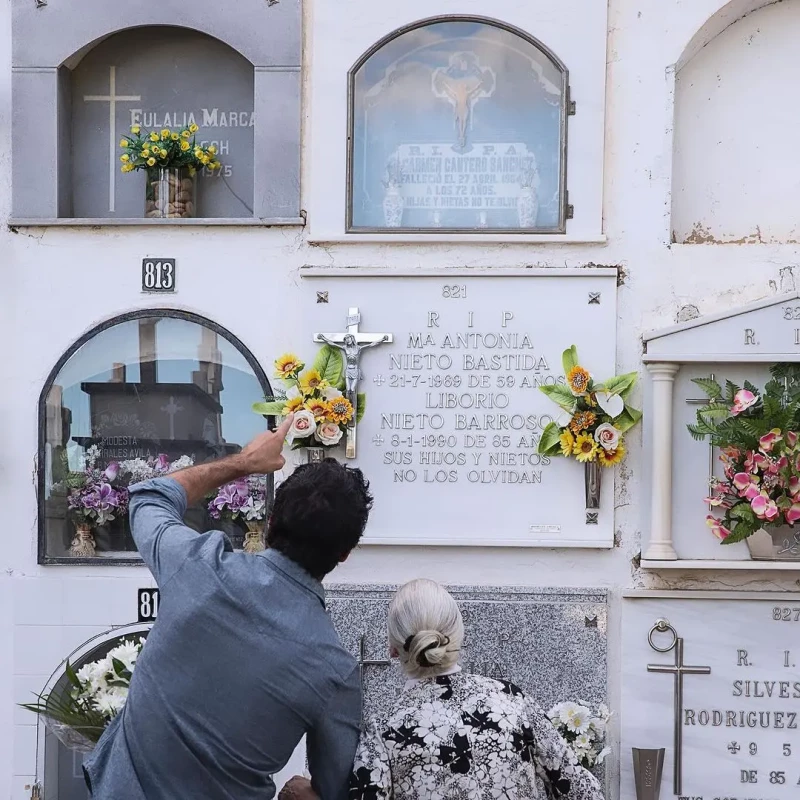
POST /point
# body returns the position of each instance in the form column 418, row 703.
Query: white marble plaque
column 740, row 724
column 454, row 412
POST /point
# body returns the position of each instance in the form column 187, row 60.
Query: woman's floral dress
column 465, row 737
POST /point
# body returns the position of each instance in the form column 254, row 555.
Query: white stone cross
column 112, row 98
column 351, row 343
column 172, row 408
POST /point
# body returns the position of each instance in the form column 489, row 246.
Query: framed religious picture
column 458, row 124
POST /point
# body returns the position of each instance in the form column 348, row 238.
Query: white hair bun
column 427, row 648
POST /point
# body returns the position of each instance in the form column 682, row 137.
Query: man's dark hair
column 319, row 515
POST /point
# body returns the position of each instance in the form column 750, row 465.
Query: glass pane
column 458, row 125
column 139, row 398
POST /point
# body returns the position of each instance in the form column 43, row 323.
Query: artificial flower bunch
column 757, row 433
column 583, row 730
column 166, row 149
column 143, row 469
column 95, row 495
column 96, row 694
column 243, row 499
column 321, row 412
column 593, row 418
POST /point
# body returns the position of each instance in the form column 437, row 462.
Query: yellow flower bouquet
column 593, row 418
column 315, row 397
column 171, row 159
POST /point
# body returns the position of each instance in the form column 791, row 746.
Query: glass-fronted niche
column 138, row 397
column 459, row 125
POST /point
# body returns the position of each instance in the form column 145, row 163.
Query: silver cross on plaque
column 351, row 342
column 678, row 670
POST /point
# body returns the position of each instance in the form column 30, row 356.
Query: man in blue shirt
column 243, row 660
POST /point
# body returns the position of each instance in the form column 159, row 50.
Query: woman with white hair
column 455, row 736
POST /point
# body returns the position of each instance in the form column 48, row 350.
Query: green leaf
column 269, row 409
column 622, row 384
column 560, row 395
column 627, row 419
column 330, row 365
column 709, row 386
column 744, row 512
column 569, row 358
column 72, row 676
column 361, row 406
column 731, row 391
column 740, row 531
column 549, row 440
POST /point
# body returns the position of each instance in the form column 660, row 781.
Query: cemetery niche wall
column 743, row 347
column 458, row 124
column 78, row 89
column 136, row 397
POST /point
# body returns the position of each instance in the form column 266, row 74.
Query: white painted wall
column 735, row 124
column 57, row 283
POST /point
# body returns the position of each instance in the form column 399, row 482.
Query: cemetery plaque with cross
column 454, row 410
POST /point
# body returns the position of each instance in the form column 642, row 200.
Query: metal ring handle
column 662, row 626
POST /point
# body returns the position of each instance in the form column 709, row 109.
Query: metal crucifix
column 351, row 343
column 678, row 670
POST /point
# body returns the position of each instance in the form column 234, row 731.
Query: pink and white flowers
column 743, row 400
column 303, row 425
column 328, row 433
column 582, row 729
column 607, row 436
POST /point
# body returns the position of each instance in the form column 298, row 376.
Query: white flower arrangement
column 583, row 730
column 96, row 694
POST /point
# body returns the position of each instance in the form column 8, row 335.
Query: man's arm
column 157, row 506
column 261, row 456
column 331, row 745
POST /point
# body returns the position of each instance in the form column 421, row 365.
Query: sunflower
column 578, row 381
column 340, row 410
column 287, row 365
column 319, row 408
column 585, row 448
column 295, row 404
column 609, row 458
column 567, row 443
column 582, row 420
column 310, row 381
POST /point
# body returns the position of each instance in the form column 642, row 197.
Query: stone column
column 660, row 547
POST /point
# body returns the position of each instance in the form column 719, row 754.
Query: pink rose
column 303, row 425
column 328, row 433
column 607, row 436
column 742, row 401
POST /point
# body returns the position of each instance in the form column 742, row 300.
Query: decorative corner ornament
column 592, row 518
column 594, row 298
column 41, row 3
column 322, row 297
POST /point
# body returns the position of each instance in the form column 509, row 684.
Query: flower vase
column 315, row 455
column 527, row 207
column 781, row 543
column 592, row 482
column 170, row 193
column 83, row 545
column 393, row 204
column 254, row 538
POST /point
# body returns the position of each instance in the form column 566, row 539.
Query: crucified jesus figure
column 352, row 373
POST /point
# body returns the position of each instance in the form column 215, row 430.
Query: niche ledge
column 722, row 566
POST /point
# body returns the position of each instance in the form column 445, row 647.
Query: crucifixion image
column 352, row 342
column 462, row 83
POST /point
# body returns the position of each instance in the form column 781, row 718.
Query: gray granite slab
column 551, row 642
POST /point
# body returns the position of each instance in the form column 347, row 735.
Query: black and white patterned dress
column 465, row 737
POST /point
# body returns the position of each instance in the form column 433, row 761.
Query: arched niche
column 151, row 384
column 243, row 69
column 734, row 175
column 458, row 124
column 59, row 769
